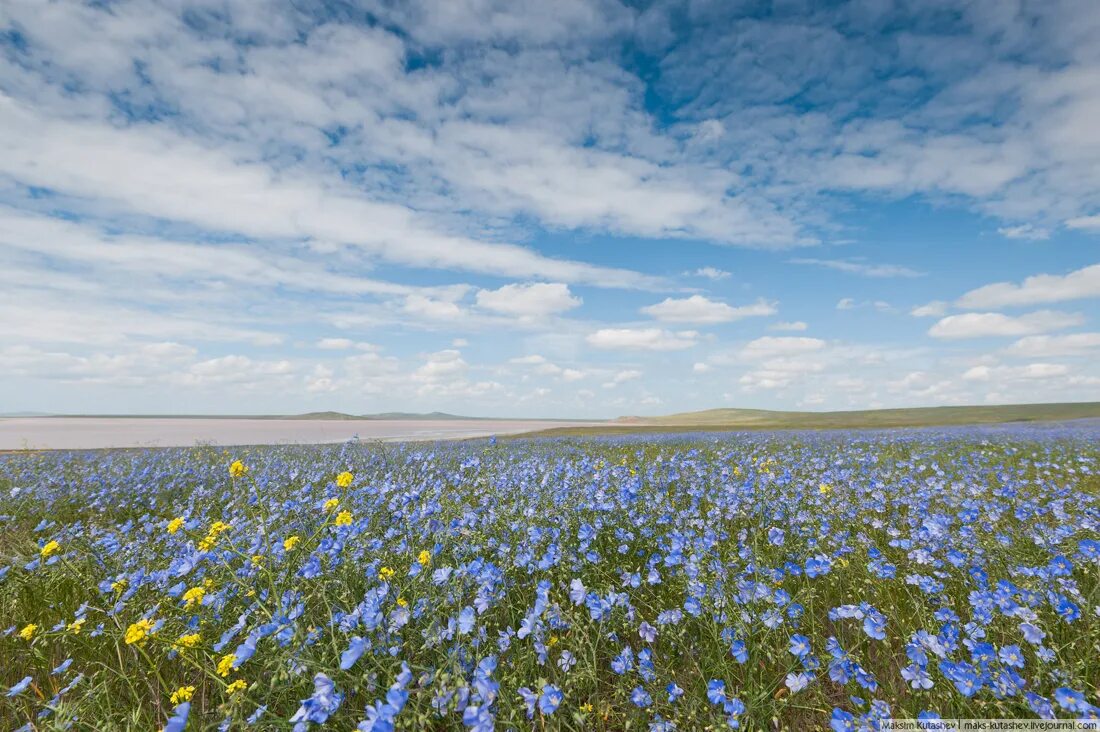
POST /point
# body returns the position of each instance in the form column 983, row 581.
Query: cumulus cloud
column 773, row 346
column 1045, row 346
column 532, row 300
column 1039, row 371
column 795, row 325
column 934, row 309
column 699, row 309
column 642, row 339
column 1041, row 288
column 983, row 325
column 621, row 377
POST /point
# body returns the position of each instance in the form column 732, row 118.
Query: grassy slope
column 731, row 419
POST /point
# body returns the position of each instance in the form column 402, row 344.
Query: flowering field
column 681, row 582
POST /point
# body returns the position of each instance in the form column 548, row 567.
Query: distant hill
column 732, row 419
column 435, row 416
column 409, row 416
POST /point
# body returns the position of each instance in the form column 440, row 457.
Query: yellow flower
column 187, row 641
column 75, row 626
column 194, row 596
column 138, row 631
column 824, row 489
column 175, row 525
column 425, row 558
column 257, row 560
column 238, row 685
column 28, row 631
column 343, row 518
column 237, row 469
column 402, row 602
column 586, row 708
column 182, row 694
column 552, row 641
column 290, row 542
column 120, row 585
column 216, row 529
column 50, row 547
column 225, row 665
column 331, row 504
column 344, row 479
column 385, row 573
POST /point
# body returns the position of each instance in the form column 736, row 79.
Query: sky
column 583, row 208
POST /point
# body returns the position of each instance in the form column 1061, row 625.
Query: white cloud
column 1024, row 231
column 1003, row 373
column 335, row 344
column 700, row 367
column 1045, row 346
column 711, row 273
column 621, row 377
column 845, row 303
column 861, row 268
column 343, row 344
column 180, row 179
column 1042, row 288
column 774, row 346
column 934, row 309
column 1087, row 223
column 642, row 339
column 982, row 325
column 447, row 364
column 699, row 309
column 420, row 306
column 796, row 325
column 533, row 300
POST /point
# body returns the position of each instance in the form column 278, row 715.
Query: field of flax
column 690, row 582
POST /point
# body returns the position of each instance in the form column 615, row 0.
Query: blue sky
column 580, row 209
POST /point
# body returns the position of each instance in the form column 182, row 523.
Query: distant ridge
column 330, row 415
column 734, row 419
column 904, row 417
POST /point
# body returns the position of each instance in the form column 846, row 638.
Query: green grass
column 763, row 419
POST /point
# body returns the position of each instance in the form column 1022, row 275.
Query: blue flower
column 530, row 698
column 577, row 591
column 842, row 721
column 640, row 697
column 19, row 686
column 874, row 625
column 550, row 700
column 356, row 648
column 818, row 566
column 674, row 692
column 466, row 620
column 623, row 662
column 798, row 681
column 1011, row 656
column 1032, row 633
column 738, row 651
column 775, row 536
column 716, row 691
column 800, row 645
column 178, row 721
column 317, row 708
column 1071, row 700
